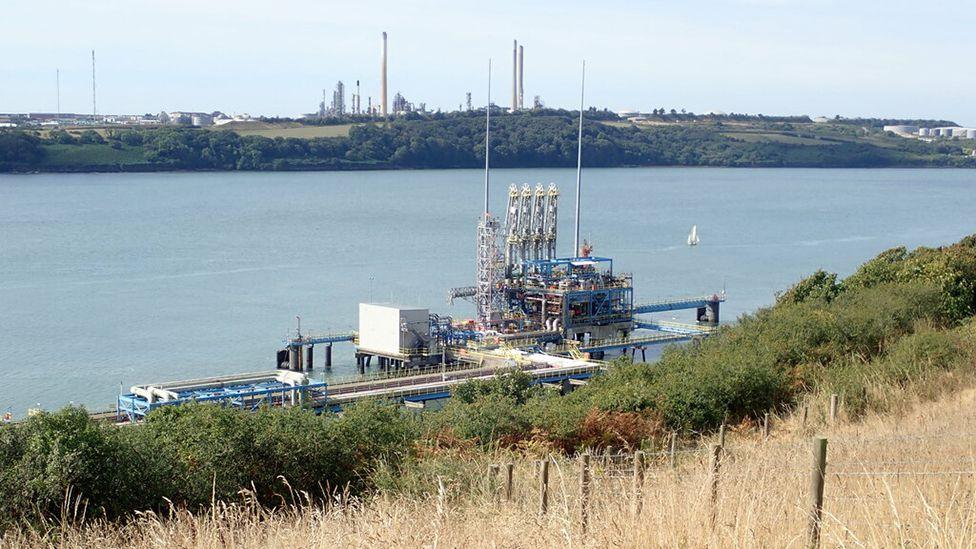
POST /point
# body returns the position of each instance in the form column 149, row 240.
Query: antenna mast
column 579, row 165
column 94, row 108
column 487, row 135
column 57, row 77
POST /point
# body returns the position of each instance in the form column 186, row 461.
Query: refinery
column 556, row 319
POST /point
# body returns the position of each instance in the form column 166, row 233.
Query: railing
column 676, row 327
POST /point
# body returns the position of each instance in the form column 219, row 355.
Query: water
column 115, row 279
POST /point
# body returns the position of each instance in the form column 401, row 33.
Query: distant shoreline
column 526, row 140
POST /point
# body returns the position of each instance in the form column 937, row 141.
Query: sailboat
column 693, row 236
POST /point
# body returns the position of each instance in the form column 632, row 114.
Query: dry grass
column 896, row 481
column 288, row 129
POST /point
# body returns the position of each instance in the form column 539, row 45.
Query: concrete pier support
column 309, row 354
column 711, row 310
column 294, row 359
column 328, row 355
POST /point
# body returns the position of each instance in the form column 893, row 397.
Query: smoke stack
column 521, row 78
column 383, row 79
column 514, row 75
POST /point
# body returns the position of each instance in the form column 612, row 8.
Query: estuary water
column 107, row 280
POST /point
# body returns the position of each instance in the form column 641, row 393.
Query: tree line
column 531, row 139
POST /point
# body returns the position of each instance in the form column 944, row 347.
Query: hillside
column 530, row 139
column 893, row 480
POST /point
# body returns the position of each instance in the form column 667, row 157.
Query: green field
column 761, row 137
column 90, row 155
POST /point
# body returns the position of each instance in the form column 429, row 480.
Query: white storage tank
column 924, row 132
column 388, row 329
column 970, row 133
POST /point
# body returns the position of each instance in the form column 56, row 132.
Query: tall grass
column 893, row 481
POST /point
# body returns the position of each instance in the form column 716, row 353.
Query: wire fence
column 865, row 480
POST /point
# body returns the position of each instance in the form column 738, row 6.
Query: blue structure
column 243, row 394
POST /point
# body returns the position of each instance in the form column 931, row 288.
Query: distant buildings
column 948, row 132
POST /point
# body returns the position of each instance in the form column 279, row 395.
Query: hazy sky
column 879, row 58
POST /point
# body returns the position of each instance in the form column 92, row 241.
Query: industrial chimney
column 515, row 48
column 521, row 77
column 383, row 79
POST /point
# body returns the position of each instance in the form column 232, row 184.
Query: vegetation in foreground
column 902, row 322
column 893, row 480
column 544, row 138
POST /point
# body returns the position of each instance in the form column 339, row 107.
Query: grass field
column 91, row 155
column 903, row 480
column 287, row 130
column 759, row 137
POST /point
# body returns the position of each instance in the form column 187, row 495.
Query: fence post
column 509, row 470
column 816, row 489
column 544, row 486
column 585, row 492
column 806, row 410
column 638, row 482
column 673, row 449
column 833, row 408
column 713, row 482
column 493, row 481
column 765, row 425
column 721, row 435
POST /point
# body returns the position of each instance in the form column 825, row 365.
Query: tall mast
column 579, row 166
column 487, row 134
column 94, row 108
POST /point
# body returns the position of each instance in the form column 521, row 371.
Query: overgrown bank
column 903, row 321
column 545, row 138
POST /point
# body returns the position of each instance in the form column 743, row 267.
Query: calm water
column 122, row 279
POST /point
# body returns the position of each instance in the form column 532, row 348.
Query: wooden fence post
column 713, row 482
column 493, row 481
column 674, row 449
column 833, row 408
column 806, row 410
column 509, row 470
column 817, row 476
column 765, row 425
column 721, row 435
column 585, row 492
column 638, row 482
column 544, row 486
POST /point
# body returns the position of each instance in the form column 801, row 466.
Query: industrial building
column 946, row 132
column 553, row 318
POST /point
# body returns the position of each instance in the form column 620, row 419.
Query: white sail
column 693, row 236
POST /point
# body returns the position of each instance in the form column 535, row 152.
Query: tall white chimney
column 521, row 78
column 515, row 48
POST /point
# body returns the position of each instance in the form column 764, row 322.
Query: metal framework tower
column 488, row 297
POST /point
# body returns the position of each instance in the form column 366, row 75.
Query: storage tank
column 970, row 133
column 924, row 132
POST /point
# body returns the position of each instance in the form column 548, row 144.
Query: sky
column 887, row 58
